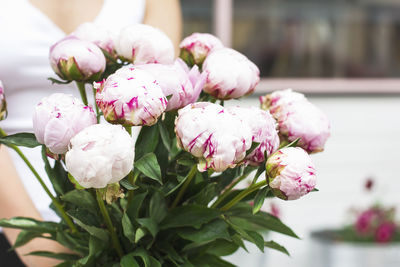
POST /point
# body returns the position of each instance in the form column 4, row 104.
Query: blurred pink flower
column 384, row 232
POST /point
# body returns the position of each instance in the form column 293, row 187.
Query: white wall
column 365, row 142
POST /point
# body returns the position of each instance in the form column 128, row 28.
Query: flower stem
column 96, row 107
column 182, row 191
column 107, row 220
column 46, row 189
column 243, row 194
column 228, row 190
column 82, row 91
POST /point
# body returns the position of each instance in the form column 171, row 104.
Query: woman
column 27, row 29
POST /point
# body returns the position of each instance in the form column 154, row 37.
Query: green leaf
column 129, row 261
column 50, row 173
column 164, row 136
column 272, row 244
column 29, row 224
column 140, row 252
column 154, row 262
column 69, row 241
column 128, row 229
column 149, row 166
column 20, row 139
column 96, row 248
column 149, row 224
column 254, row 145
column 208, row 232
column 251, row 236
column 92, row 230
column 208, row 260
column 205, row 195
column 189, row 215
column 139, row 234
column 147, row 141
column 134, row 205
column 81, row 198
column 59, row 256
column 315, row 190
column 24, row 237
column 259, row 199
column 158, row 207
column 293, row 144
column 222, row 247
column 127, row 185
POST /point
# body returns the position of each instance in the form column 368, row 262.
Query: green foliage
column 20, row 139
column 151, row 231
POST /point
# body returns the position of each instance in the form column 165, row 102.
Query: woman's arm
column 165, row 15
column 16, row 202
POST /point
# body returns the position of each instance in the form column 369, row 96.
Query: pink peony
column 142, row 44
column 177, row 80
column 59, row 117
column 196, row 47
column 131, row 96
column 385, row 232
column 3, row 104
column 298, row 118
column 77, row 60
column 229, row 74
column 96, row 34
column 213, row 135
column 263, row 127
column 290, row 173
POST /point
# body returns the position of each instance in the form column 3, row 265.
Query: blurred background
column 345, row 56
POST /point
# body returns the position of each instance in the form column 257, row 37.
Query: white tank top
column 26, row 35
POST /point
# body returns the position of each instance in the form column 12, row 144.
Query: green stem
column 243, row 194
column 46, row 189
column 96, row 107
column 107, row 220
column 182, row 191
column 128, row 129
column 82, row 91
column 228, row 190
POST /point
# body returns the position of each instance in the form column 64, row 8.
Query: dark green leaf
column 259, row 199
column 69, row 241
column 139, row 234
column 222, row 247
column 164, row 136
column 96, row 247
column 140, row 252
column 50, row 173
column 208, row 260
column 315, row 190
column 154, row 262
column 254, row 145
column 24, row 237
column 134, row 205
column 208, row 232
column 293, row 144
column 276, row 246
column 59, row 256
column 20, row 139
column 29, row 224
column 149, row 166
column 128, row 229
column 81, row 198
column 158, row 207
column 53, row 81
column 205, row 195
column 92, row 230
column 127, row 185
column 149, row 224
column 129, row 261
column 147, row 141
column 189, row 215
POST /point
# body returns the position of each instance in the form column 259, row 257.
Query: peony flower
column 131, row 96
column 101, row 154
column 196, row 47
column 365, row 220
column 176, row 80
column 96, row 34
column 298, row 118
column 263, row 128
column 229, row 74
column 213, row 135
column 385, row 232
column 290, row 173
column 59, row 117
column 77, row 60
column 141, row 44
column 3, row 104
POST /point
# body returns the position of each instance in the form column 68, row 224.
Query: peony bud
column 290, row 173
column 131, row 96
column 141, row 44
column 216, row 137
column 3, row 104
column 176, row 80
column 196, row 47
column 59, row 117
column 263, row 128
column 100, row 154
column 77, row 60
column 298, row 118
column 96, row 34
column 229, row 74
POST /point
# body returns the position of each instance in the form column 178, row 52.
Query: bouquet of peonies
column 167, row 197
